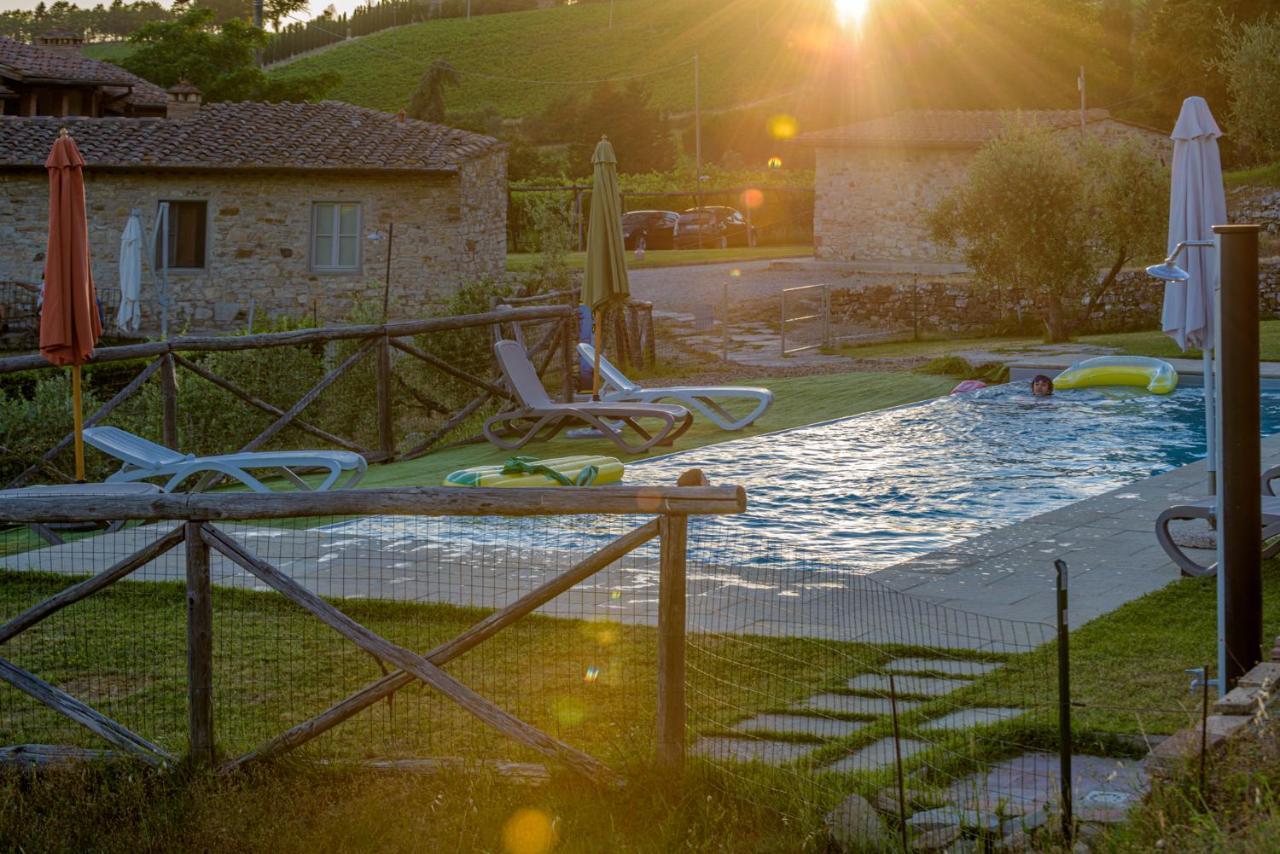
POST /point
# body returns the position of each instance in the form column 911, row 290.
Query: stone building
column 293, row 209
column 876, row 181
column 52, row 78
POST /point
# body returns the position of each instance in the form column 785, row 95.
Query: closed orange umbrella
column 69, row 322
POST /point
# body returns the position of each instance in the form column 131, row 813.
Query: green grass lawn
column 523, row 262
column 575, row 42
column 1145, row 343
column 1258, row 176
column 797, row 401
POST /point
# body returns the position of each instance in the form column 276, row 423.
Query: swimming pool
column 879, row 488
column 875, row 489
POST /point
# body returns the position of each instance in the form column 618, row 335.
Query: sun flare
column 850, row 13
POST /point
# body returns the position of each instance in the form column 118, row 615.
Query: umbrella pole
column 77, row 415
column 595, row 374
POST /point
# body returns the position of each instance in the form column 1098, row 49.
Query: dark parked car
column 650, row 229
column 714, row 227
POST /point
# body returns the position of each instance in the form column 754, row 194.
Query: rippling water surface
column 879, row 488
column 883, row 487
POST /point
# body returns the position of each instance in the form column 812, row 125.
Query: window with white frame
column 335, row 236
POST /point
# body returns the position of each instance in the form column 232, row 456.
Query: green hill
column 748, row 49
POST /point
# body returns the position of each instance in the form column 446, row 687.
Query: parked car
column 650, row 229
column 713, row 227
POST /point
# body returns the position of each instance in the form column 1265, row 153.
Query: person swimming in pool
column 1042, row 386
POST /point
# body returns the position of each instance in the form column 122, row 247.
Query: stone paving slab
column 877, row 755
column 801, row 725
column 924, row 686
column 752, row 749
column 1103, row 788
column 849, row 704
column 968, row 718
column 949, row 666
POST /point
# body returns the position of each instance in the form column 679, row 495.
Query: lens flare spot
column 592, row 674
column 569, row 712
column 775, row 162
column 615, row 595
column 529, row 831
column 752, row 198
column 782, row 126
column 735, row 273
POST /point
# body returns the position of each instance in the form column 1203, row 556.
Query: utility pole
column 257, row 25
column 697, row 132
column 1080, row 86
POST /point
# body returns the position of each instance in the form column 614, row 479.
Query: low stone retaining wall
column 950, row 304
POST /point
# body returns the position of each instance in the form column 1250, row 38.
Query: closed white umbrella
column 129, row 318
column 1197, row 202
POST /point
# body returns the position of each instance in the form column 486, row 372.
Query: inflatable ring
column 1156, row 375
column 528, row 471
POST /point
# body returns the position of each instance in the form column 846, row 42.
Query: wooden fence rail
column 167, row 358
column 195, row 514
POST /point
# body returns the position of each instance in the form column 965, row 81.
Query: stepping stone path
column 763, row 750
column 923, row 686
column 967, row 718
column 849, row 704
column 878, row 754
column 801, row 725
column 949, row 666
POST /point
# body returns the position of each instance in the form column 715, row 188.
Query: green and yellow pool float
column 530, row 471
column 1156, row 375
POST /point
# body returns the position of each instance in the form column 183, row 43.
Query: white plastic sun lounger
column 144, row 460
column 615, row 387
column 537, row 414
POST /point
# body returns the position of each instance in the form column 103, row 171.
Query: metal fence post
column 782, row 325
column 897, row 764
column 826, row 315
column 673, row 531
column 1064, row 701
column 199, row 646
column 724, row 324
column 1239, row 449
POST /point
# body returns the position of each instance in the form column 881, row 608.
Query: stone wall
column 448, row 230
column 872, row 203
column 949, row 305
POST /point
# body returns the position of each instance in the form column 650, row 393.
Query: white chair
column 144, row 460
column 616, row 388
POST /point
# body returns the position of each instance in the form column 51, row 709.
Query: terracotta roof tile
column 250, row 135
column 959, row 128
column 22, row 61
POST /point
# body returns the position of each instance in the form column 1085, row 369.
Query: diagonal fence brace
column 407, row 660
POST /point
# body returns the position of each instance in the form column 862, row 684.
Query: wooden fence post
column 386, row 431
column 569, row 345
column 674, row 531
column 169, row 400
column 199, row 647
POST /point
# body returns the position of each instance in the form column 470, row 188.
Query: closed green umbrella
column 605, row 284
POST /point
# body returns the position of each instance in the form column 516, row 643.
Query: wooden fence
column 196, row 515
column 166, row 358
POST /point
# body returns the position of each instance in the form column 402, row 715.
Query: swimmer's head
column 1041, row 386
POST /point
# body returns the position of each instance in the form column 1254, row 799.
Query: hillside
column 748, row 48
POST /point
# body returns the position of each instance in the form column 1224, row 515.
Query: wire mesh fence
column 803, row 678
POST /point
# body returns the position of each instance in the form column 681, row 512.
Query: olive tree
column 1054, row 218
column 1251, row 64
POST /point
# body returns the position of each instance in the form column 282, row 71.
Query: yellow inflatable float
column 530, row 471
column 1156, row 375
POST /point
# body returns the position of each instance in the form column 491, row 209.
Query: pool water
column 879, row 488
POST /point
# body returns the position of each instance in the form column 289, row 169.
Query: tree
column 273, row 11
column 1042, row 217
column 638, row 129
column 427, row 102
column 1251, row 65
column 219, row 60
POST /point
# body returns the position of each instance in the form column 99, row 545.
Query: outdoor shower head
column 1168, row 270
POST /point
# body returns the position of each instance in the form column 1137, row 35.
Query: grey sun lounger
column 143, row 460
column 538, row 416
column 615, row 387
column 1270, row 523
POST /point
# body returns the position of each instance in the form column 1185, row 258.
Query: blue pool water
column 879, row 488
